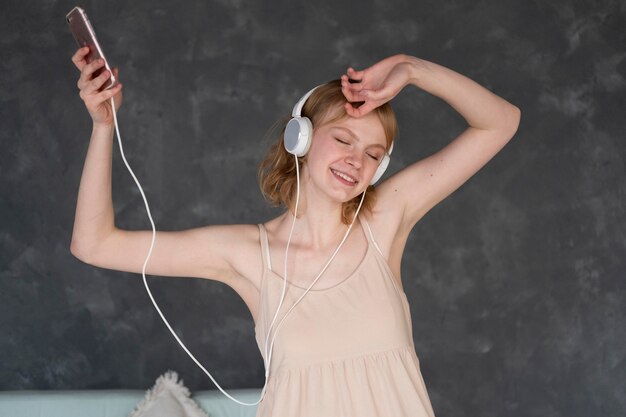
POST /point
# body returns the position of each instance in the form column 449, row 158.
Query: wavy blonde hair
column 277, row 172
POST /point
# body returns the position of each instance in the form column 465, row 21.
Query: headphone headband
column 297, row 109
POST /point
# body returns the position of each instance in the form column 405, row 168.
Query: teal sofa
column 113, row 403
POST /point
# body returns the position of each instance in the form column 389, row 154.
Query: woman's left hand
column 377, row 84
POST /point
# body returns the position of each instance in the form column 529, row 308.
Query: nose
column 354, row 159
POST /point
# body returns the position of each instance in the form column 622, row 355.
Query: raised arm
column 492, row 121
column 201, row 252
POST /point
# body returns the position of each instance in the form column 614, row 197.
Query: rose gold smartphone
column 85, row 36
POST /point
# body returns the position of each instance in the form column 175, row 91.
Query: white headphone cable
column 145, row 282
column 268, row 354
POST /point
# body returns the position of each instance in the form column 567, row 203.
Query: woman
column 346, row 349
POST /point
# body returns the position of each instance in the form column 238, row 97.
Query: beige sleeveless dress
column 344, row 351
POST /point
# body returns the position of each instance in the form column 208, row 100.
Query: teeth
column 344, row 176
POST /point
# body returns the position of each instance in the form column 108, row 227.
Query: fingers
column 104, row 95
column 361, row 110
column 355, row 75
column 381, row 94
column 94, row 100
column 107, row 94
column 96, row 84
column 79, row 57
column 352, row 86
column 87, row 72
column 351, row 91
column 356, row 92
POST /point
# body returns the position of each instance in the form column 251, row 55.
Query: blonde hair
column 277, row 172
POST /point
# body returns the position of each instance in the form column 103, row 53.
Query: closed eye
column 341, row 141
column 374, row 157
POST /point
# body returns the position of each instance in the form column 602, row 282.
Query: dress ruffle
column 380, row 384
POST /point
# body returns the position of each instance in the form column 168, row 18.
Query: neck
column 315, row 229
column 319, row 224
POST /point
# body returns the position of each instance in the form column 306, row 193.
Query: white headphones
column 299, row 133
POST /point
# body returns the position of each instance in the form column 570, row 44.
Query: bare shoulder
column 387, row 227
column 240, row 246
column 387, row 214
column 241, row 249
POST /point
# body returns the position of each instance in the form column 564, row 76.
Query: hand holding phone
column 97, row 82
column 85, row 36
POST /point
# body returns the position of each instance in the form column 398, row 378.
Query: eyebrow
column 355, row 137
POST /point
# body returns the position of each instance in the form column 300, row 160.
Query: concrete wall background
column 516, row 281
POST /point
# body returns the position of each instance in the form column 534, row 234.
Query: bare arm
column 94, row 219
column 413, row 191
column 201, row 252
column 97, row 241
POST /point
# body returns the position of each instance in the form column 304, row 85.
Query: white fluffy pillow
column 168, row 398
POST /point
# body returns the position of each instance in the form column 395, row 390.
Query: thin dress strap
column 265, row 247
column 370, row 235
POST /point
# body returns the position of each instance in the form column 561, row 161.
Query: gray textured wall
column 516, row 281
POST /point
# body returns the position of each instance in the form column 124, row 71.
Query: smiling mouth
column 344, row 176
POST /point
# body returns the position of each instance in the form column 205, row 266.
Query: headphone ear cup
column 298, row 136
column 382, row 167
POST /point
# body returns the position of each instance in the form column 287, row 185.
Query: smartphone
column 85, row 36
